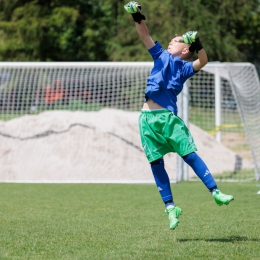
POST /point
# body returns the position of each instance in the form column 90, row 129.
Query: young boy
column 161, row 130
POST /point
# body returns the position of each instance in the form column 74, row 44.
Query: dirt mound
column 103, row 146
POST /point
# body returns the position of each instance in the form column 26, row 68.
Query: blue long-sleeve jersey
column 167, row 77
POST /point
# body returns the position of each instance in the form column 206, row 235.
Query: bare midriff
column 150, row 105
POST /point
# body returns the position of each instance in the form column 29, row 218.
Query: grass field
column 205, row 119
column 116, row 221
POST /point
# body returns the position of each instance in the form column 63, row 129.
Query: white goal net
column 77, row 122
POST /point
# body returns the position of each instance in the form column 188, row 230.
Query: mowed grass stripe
column 120, row 221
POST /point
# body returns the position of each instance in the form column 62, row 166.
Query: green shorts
column 163, row 132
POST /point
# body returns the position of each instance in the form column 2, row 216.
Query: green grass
column 74, row 105
column 116, row 221
column 205, row 119
column 7, row 117
column 241, row 175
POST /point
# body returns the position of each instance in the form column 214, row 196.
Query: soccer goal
column 77, row 122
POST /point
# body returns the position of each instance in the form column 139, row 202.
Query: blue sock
column 201, row 169
column 162, row 180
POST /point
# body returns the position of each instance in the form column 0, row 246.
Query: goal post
column 246, row 90
column 244, row 82
column 220, row 104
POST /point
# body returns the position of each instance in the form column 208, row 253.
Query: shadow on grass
column 231, row 239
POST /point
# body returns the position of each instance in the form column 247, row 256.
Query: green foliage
column 116, row 221
column 53, row 31
column 222, row 25
column 79, row 30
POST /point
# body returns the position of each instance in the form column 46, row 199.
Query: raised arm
column 201, row 61
column 192, row 38
column 135, row 10
column 144, row 35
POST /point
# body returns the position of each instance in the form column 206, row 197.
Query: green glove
column 134, row 9
column 192, row 38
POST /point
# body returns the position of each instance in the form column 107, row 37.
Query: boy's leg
column 155, row 146
column 162, row 181
column 163, row 184
column 202, row 171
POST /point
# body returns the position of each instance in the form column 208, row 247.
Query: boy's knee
column 157, row 162
column 189, row 158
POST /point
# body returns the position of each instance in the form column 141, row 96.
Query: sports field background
column 117, row 221
column 102, row 146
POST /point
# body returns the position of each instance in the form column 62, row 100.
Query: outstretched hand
column 134, row 9
column 192, row 38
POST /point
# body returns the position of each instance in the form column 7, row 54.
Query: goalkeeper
column 161, row 130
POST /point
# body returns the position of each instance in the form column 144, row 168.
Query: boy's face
column 178, row 48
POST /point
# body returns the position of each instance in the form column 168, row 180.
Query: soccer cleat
column 173, row 215
column 221, row 198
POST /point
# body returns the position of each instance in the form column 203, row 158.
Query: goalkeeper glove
column 192, row 38
column 134, row 9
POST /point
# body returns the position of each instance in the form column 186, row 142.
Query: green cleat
column 173, row 215
column 221, row 198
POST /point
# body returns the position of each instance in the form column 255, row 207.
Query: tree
column 81, row 30
column 53, row 30
column 225, row 28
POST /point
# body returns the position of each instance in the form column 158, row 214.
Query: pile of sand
column 104, row 146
